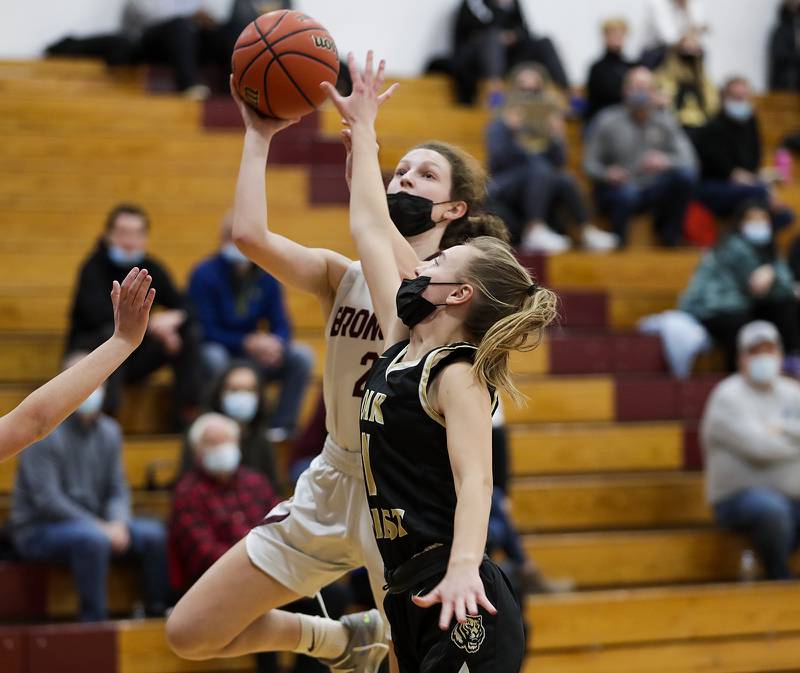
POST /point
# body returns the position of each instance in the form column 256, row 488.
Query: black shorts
column 485, row 643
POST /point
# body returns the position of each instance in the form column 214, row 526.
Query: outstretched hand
column 363, row 103
column 460, row 592
column 132, row 302
column 266, row 127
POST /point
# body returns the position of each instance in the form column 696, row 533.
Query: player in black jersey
column 426, row 416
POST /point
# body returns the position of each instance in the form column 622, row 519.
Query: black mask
column 411, row 214
column 412, row 307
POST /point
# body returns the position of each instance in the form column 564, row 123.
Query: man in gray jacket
column 71, row 505
column 640, row 159
column 750, row 435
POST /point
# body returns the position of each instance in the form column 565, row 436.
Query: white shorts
column 323, row 531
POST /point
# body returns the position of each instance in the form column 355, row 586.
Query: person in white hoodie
column 750, row 434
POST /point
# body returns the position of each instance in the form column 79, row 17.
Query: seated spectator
column 233, row 297
column 71, row 505
column 666, row 23
column 682, row 79
column 607, row 74
column 171, row 335
column 750, row 434
column 216, row 504
column 784, row 49
column 640, row 159
column 729, row 148
column 741, row 279
column 238, row 394
column 491, row 36
column 527, row 151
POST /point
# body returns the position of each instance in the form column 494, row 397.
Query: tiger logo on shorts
column 469, row 635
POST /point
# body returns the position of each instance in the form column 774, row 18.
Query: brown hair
column 468, row 184
column 509, row 312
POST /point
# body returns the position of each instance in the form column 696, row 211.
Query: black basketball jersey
column 408, row 478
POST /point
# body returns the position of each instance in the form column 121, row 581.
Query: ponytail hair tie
column 532, row 289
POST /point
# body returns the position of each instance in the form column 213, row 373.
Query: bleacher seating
column 602, row 484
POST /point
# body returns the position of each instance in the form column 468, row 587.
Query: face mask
column 235, row 256
column 121, row 257
column 92, row 404
column 638, row 100
column 763, row 369
column 412, row 307
column 740, row 110
column 758, row 232
column 411, row 214
column 222, row 459
column 240, row 406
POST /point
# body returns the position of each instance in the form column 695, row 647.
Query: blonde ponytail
column 509, row 313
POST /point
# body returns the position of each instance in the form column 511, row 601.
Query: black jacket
column 784, row 51
column 604, row 87
column 92, row 316
column 724, row 144
column 470, row 21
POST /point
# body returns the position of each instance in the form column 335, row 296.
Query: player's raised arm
column 370, row 224
column 313, row 270
column 41, row 411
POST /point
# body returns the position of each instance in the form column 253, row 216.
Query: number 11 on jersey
column 371, row 488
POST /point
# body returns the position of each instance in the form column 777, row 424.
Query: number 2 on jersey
column 360, row 386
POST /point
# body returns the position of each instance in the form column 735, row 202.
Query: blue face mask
column 232, row 254
column 123, row 258
column 92, row 404
column 758, row 232
column 638, row 100
column 740, row 110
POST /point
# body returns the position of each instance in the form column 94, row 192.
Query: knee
column 772, row 514
column 187, row 641
column 215, row 357
column 152, row 533
column 299, row 359
column 94, row 543
column 682, row 178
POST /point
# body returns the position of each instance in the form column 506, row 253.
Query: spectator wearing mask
column 667, row 22
column 607, row 74
column 784, row 49
column 238, row 394
column 729, row 147
column 491, row 36
column 742, row 279
column 683, row 80
column 71, row 505
column 233, row 298
column 750, row 434
column 171, row 336
column 527, row 152
column 640, row 159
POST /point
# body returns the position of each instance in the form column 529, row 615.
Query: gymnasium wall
column 410, row 32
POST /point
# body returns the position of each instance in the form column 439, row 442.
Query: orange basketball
column 279, row 61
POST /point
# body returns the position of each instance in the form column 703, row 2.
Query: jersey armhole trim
column 431, row 360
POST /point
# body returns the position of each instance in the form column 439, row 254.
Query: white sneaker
column 366, row 644
column 541, row 238
column 597, row 240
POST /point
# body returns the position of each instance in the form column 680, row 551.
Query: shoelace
column 364, row 648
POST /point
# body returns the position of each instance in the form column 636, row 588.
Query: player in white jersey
column 324, row 530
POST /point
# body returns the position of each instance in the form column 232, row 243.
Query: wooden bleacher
column 600, row 480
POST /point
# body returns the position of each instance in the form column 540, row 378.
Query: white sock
column 320, row 637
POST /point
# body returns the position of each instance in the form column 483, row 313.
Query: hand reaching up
column 132, row 302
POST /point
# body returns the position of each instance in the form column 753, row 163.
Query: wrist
column 464, row 561
column 256, row 141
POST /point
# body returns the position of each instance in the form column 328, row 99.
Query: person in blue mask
column 171, row 337
column 744, row 278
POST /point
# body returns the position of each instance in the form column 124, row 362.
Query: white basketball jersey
column 354, row 341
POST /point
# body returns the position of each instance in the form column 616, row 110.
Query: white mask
column 763, row 369
column 240, row 405
column 223, row 459
column 92, row 404
column 233, row 254
column 758, row 232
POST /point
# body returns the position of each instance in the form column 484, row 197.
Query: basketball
column 279, row 61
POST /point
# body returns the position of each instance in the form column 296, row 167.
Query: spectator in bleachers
column 71, row 505
column 171, row 335
column 784, row 48
column 640, row 159
column 491, row 36
column 238, row 394
column 233, row 298
column 682, row 79
column 526, row 152
column 667, row 22
column 741, row 279
column 216, row 504
column 607, row 74
column 750, row 434
column 729, row 148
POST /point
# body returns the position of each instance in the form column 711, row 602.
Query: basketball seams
column 262, row 38
column 311, row 58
